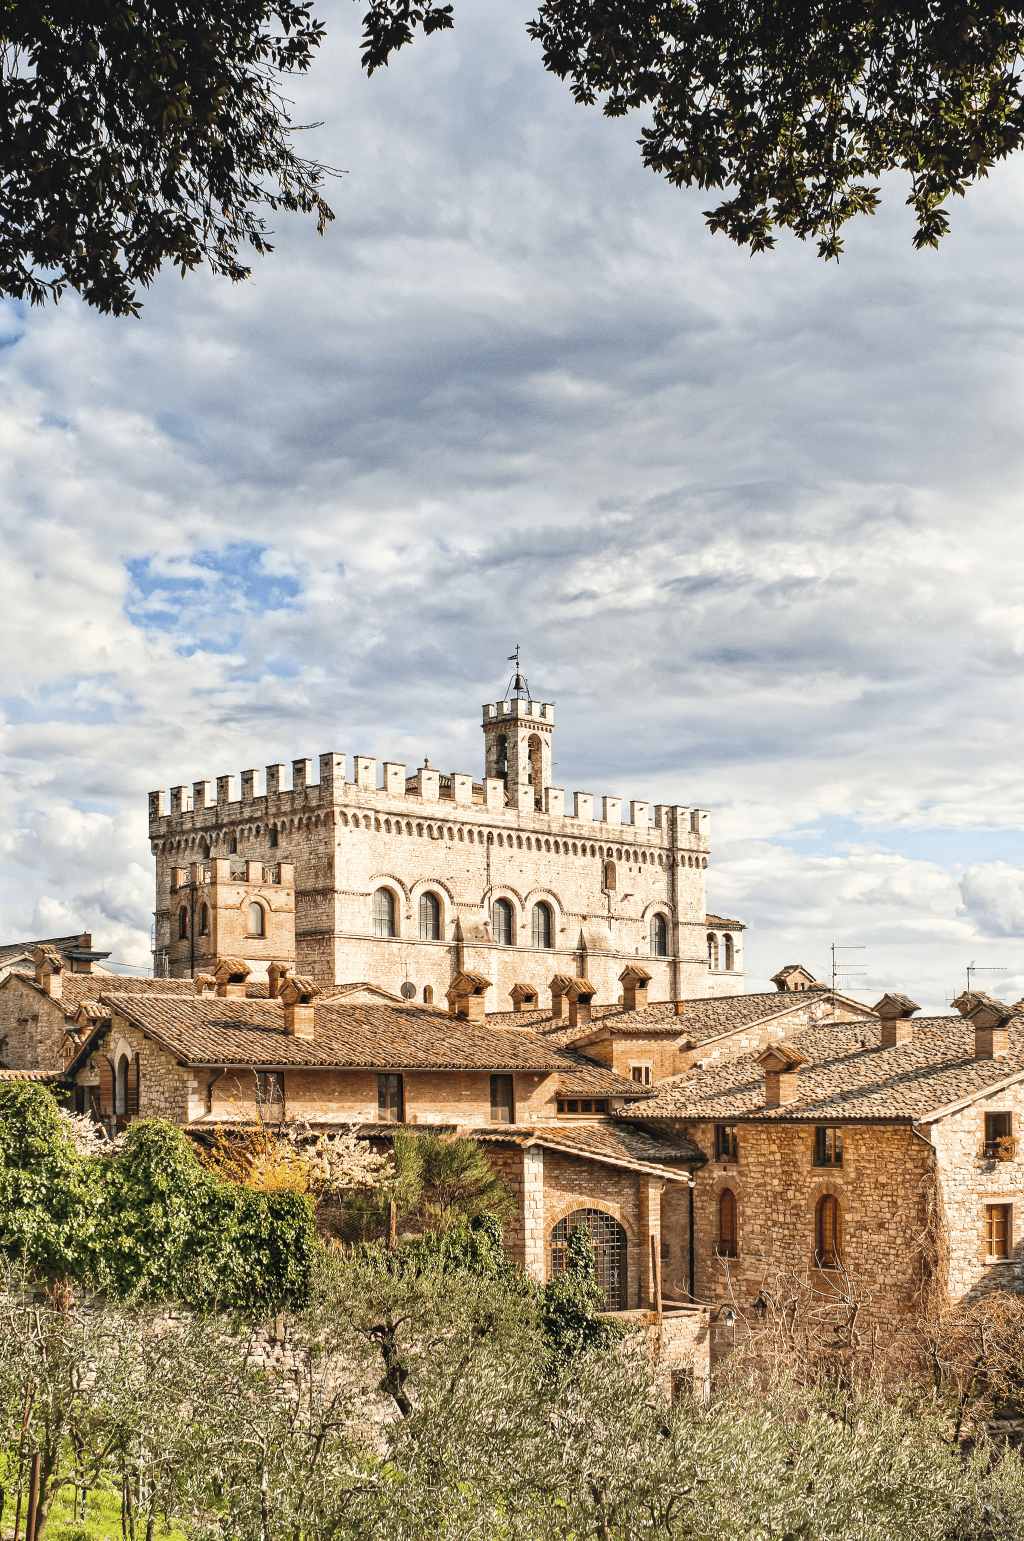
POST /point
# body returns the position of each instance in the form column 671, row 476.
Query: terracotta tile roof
column 61, row 943
column 722, row 924
column 602, row 1141
column 847, row 1076
column 29, row 1075
column 209, row 1030
column 89, row 987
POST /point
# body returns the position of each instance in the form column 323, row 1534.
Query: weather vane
column 517, row 686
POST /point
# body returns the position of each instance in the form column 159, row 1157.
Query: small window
column 601, row 1105
column 727, row 1144
column 273, row 835
column 501, row 922
column 641, row 1074
column 541, row 925
column 729, row 953
column 270, row 1093
column 712, row 951
column 430, row 918
column 502, row 1101
column 659, row 936
column 609, row 874
column 828, row 1227
column 727, row 1223
column 998, row 1133
column 182, row 924
column 204, row 920
column 255, row 919
column 828, row 1147
column 383, row 912
column 997, row 1230
column 233, row 847
column 428, row 995
column 390, row 1109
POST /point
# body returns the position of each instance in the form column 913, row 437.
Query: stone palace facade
column 404, row 880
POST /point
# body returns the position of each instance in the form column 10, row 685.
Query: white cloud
column 993, row 898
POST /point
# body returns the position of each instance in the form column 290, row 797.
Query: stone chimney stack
column 990, row 1019
column 781, row 1065
column 580, row 996
column 895, row 1012
column 231, row 974
column 277, row 973
column 524, row 997
column 559, row 988
column 298, row 997
column 49, row 966
column 466, row 994
column 634, row 981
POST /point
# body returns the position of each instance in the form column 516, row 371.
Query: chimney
column 580, row 995
column 466, row 994
column 781, row 1065
column 990, row 1019
column 277, row 973
column 558, row 987
column 231, row 974
column 298, row 997
column 49, row 967
column 204, row 984
column 634, row 981
column 895, row 1012
column 524, row 997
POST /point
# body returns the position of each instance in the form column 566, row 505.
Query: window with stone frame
column 659, row 936
column 727, row 1232
column 609, row 874
column 204, row 920
column 997, row 1231
column 641, row 1074
column 256, row 921
column 998, row 1129
column 503, row 1108
column 502, row 928
column 390, row 1099
column 430, row 918
column 727, row 1143
column 541, row 925
column 183, row 924
column 828, row 1226
column 828, row 1146
column 383, row 912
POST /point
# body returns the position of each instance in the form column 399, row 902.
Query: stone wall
column 166, row 1089
column 31, row 1026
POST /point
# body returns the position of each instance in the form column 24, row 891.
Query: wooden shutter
column 727, row 1223
column 106, row 1086
column 830, row 1243
column 131, row 1101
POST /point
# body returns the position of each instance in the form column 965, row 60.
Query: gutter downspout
column 692, row 1295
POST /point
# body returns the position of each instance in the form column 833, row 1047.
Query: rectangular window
column 998, row 1128
column 727, row 1144
column 270, row 1093
column 828, row 1147
column 502, row 1101
column 389, row 1099
column 997, row 1230
column 601, row 1106
column 641, row 1074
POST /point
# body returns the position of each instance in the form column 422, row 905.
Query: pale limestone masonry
column 440, row 852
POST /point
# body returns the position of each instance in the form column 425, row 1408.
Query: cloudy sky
column 755, row 522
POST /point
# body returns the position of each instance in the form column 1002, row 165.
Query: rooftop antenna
column 518, row 687
column 838, row 967
column 985, row 968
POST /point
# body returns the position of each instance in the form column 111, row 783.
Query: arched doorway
column 609, row 1242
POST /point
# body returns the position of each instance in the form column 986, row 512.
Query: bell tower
column 517, row 737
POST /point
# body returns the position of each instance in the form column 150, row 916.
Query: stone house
column 408, row 879
column 881, row 1152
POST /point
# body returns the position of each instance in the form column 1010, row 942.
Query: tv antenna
column 983, row 968
column 839, row 967
column 517, row 687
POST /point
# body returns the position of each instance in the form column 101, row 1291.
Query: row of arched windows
column 721, row 956
column 503, row 922
column 256, row 921
column 828, row 1229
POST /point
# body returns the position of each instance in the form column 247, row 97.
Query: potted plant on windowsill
column 1006, row 1147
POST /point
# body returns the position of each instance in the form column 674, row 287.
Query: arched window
column 428, row 995
column 383, row 912
column 182, row 923
column 608, row 1240
column 121, row 1086
column 536, row 775
column 501, row 756
column 501, row 922
column 828, row 1241
column 729, row 954
column 255, row 919
column 659, row 936
column 430, row 918
column 204, row 920
column 727, row 1236
column 273, row 835
column 541, row 919
column 712, row 950
column 233, row 846
column 609, row 874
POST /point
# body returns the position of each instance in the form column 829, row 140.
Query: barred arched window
column 541, row 925
column 255, row 919
column 659, row 936
column 727, row 1237
column 609, row 1242
column 182, row 923
column 501, row 922
column 430, row 918
column 383, row 912
column 828, row 1248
